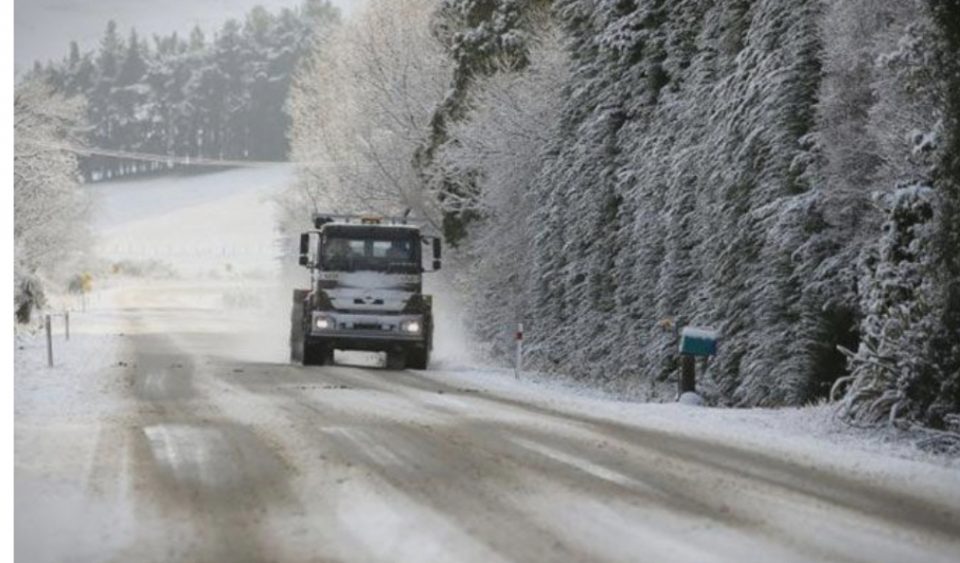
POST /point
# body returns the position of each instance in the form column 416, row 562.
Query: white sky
column 43, row 29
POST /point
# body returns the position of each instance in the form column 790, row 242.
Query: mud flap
column 296, row 325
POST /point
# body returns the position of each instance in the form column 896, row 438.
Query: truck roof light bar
column 321, row 219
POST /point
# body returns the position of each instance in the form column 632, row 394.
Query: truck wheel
column 418, row 358
column 309, row 354
column 328, row 356
column 396, row 360
column 317, row 354
column 296, row 325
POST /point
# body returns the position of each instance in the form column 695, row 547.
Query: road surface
column 201, row 453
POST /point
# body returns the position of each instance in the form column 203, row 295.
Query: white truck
column 366, row 291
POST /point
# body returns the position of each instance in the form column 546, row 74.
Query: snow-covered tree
column 360, row 107
column 891, row 372
column 498, row 149
column 481, row 38
column 219, row 97
column 49, row 207
column 945, row 412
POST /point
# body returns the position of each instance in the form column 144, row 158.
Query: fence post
column 46, row 326
column 66, row 323
column 518, row 362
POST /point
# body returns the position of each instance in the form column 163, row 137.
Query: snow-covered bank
column 61, row 413
column 75, row 382
column 811, row 432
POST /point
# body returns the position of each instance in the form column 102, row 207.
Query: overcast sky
column 43, row 29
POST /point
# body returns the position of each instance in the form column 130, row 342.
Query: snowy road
column 195, row 450
column 172, row 429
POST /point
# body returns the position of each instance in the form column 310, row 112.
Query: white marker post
column 518, row 363
column 46, row 325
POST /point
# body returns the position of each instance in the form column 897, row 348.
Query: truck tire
column 296, row 325
column 418, row 358
column 317, row 354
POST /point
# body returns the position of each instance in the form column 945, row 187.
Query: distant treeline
column 218, row 98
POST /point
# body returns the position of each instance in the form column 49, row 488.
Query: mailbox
column 696, row 341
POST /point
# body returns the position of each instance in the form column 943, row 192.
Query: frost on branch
column 891, row 376
column 360, row 106
column 49, row 208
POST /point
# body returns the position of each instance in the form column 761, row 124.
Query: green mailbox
column 697, row 341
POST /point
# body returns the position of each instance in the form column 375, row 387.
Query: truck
column 366, row 290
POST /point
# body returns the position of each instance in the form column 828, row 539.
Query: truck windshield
column 350, row 254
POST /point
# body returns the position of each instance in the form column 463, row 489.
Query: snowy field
column 198, row 224
column 173, row 429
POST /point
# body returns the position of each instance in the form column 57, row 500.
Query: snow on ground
column 55, row 410
column 811, row 434
column 71, row 386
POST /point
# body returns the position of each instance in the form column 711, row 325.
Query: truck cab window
column 356, row 254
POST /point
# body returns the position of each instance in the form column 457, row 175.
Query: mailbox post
column 518, row 362
column 694, row 342
column 688, row 375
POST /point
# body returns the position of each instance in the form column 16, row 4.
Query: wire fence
column 158, row 251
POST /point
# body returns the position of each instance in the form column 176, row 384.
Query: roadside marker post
column 518, row 362
column 46, row 326
column 48, row 329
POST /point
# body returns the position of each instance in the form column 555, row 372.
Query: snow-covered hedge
column 712, row 162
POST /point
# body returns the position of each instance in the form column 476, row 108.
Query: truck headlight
column 412, row 327
column 322, row 323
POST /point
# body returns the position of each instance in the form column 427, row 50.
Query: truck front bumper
column 367, row 332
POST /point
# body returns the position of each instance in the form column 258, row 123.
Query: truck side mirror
column 436, row 253
column 304, row 249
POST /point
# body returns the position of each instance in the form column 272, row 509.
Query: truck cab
column 366, row 291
